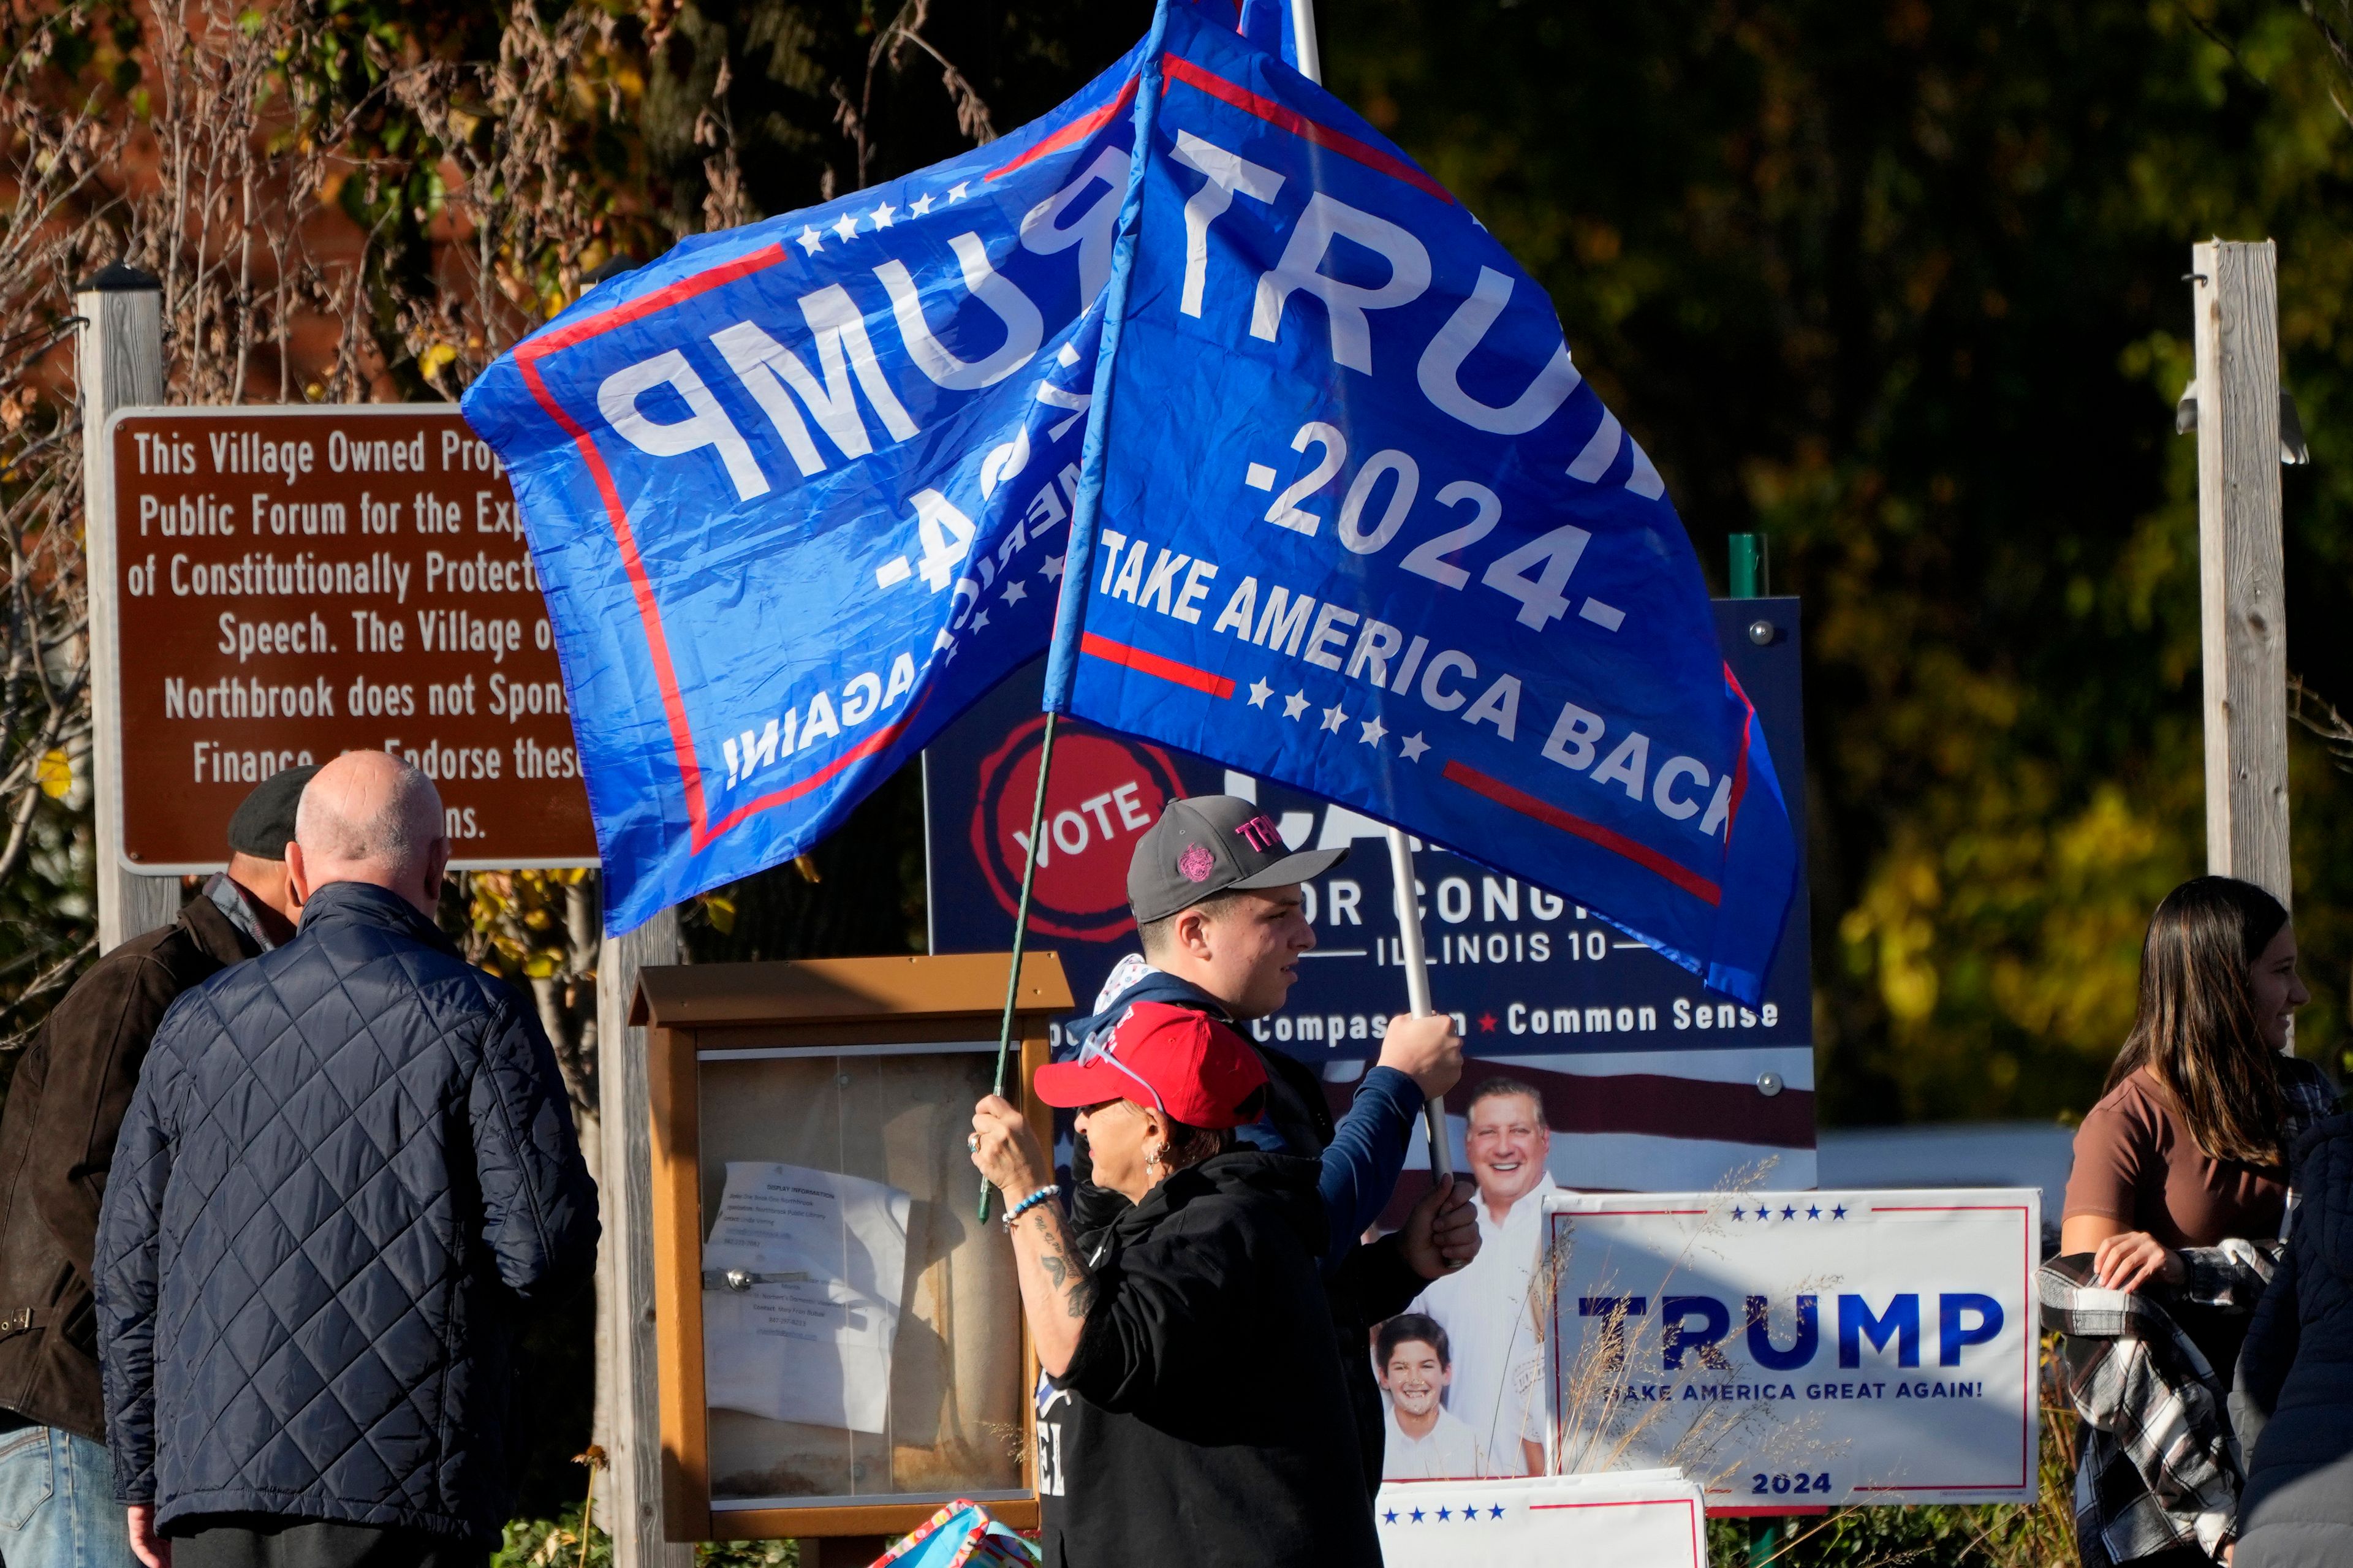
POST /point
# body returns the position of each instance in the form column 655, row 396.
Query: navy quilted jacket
column 2295, row 1375
column 349, row 1164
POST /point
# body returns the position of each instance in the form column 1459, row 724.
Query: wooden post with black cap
column 119, row 359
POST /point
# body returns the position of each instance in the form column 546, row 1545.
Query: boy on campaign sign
column 1217, row 902
column 1427, row 1442
column 1499, row 1356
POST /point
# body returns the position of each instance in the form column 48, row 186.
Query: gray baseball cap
column 1213, row 844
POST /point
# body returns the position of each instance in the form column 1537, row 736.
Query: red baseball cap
column 1175, row 1060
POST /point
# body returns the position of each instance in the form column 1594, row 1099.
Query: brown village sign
column 298, row 581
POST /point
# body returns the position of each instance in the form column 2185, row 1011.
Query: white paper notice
column 816, row 1349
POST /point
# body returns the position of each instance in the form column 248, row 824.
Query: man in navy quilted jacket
column 348, row 1169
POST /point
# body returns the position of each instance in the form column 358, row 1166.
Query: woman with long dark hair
column 2179, row 1199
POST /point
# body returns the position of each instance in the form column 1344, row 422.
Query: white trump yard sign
column 1796, row 1348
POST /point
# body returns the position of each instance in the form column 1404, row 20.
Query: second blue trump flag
column 1351, row 518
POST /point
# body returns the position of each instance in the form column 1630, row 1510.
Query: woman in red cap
column 1193, row 1401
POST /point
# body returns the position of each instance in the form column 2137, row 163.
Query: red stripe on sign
column 659, row 299
column 1077, row 130
column 1299, row 125
column 1137, row 658
column 1658, row 1105
column 1616, row 843
column 1699, row 1550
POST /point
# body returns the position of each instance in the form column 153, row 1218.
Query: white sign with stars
column 1799, row 1349
column 1642, row 1518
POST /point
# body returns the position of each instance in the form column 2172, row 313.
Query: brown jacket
column 57, row 1143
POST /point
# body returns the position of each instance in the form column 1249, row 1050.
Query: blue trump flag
column 1350, row 518
column 799, row 492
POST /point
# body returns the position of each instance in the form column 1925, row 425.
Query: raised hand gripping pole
column 1021, row 927
column 1417, row 986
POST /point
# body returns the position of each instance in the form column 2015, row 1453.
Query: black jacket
column 2293, row 1399
column 1365, row 1283
column 57, row 1143
column 1204, row 1419
column 349, row 1165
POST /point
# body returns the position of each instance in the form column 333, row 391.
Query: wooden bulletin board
column 809, row 1104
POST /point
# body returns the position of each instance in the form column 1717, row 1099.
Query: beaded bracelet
column 1041, row 1195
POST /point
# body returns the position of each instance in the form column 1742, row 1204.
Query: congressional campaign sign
column 769, row 480
column 1646, row 1518
column 1795, row 1348
column 1351, row 518
column 1648, row 1078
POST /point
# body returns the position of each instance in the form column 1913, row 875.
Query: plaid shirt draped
column 2159, row 1466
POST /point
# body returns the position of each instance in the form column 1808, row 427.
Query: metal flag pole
column 1417, row 979
column 1410, row 949
column 1021, row 929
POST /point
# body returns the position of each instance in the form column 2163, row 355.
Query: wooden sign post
column 120, row 359
column 841, row 1344
column 2241, row 570
column 628, row 1402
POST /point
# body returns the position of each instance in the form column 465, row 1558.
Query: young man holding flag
column 1217, row 902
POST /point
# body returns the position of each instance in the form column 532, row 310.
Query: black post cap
column 617, row 264
column 121, row 277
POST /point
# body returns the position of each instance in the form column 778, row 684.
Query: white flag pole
column 1409, row 950
column 1303, row 28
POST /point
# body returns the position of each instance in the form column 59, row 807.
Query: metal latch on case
column 743, row 1279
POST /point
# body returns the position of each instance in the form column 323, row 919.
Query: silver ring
column 972, row 1142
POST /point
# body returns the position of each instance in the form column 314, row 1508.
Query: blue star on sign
column 1495, row 1512
column 1790, row 1212
column 1469, row 1515
column 1441, row 1514
column 1839, row 1213
column 1814, row 1211
column 1739, row 1213
column 1389, row 1518
column 1417, row 1516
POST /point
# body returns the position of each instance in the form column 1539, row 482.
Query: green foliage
column 551, row 1543
column 555, row 1543
column 746, row 1554
column 1900, row 286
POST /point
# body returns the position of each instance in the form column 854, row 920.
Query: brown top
column 2135, row 1161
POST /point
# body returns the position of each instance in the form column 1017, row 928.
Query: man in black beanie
column 57, row 1133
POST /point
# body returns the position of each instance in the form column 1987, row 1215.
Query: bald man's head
column 370, row 817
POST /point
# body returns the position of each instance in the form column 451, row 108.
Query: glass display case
column 841, row 1341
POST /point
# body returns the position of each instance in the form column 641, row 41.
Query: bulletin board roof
column 823, row 990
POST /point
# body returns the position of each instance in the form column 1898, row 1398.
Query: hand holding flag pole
column 1417, row 976
column 1021, row 927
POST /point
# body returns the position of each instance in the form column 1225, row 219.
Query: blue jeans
column 56, row 1503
